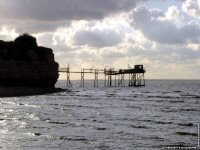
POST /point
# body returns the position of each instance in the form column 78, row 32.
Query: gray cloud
column 51, row 10
column 151, row 24
column 97, row 38
column 46, row 15
column 33, row 26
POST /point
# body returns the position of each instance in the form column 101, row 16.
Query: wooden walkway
column 112, row 77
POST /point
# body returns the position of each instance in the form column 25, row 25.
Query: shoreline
column 27, row 91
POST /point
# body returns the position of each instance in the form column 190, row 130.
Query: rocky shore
column 27, row 91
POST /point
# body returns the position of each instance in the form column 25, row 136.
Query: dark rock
column 27, row 91
column 25, row 64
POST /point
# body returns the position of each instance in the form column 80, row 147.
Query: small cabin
column 138, row 67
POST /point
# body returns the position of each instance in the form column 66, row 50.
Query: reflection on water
column 162, row 113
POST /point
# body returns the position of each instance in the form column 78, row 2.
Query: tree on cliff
column 26, row 40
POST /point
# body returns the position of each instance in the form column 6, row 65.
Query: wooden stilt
column 135, row 76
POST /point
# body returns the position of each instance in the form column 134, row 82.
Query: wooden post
column 82, row 78
column 115, row 81
column 69, row 84
column 96, row 78
column 104, row 77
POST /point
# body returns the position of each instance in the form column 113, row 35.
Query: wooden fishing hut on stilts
column 112, row 77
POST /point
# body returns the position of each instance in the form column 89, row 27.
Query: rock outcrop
column 25, row 64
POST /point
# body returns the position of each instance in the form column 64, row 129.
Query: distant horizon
column 125, row 79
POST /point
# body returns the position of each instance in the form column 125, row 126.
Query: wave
column 177, row 91
column 37, row 134
column 164, row 97
column 174, row 96
column 100, row 128
column 186, row 133
column 190, row 96
column 189, row 109
column 186, row 124
column 176, row 101
column 139, row 126
column 66, row 138
column 168, row 110
column 56, row 122
column 162, row 122
column 158, row 121
column 61, row 137
column 72, row 139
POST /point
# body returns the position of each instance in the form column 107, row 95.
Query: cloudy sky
column 164, row 35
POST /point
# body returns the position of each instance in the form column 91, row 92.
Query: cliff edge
column 25, row 64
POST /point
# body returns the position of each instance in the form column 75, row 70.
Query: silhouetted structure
column 112, row 77
column 24, row 63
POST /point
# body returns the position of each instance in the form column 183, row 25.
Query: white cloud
column 45, row 39
column 8, row 34
column 173, row 14
column 194, row 47
column 156, row 26
column 192, row 7
column 96, row 34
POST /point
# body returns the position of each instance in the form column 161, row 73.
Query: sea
column 165, row 114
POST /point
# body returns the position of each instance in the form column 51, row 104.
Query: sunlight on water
column 162, row 113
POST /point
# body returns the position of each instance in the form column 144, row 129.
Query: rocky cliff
column 24, row 63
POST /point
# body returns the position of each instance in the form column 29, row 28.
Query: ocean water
column 163, row 113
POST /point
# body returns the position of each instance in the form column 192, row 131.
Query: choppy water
column 162, row 113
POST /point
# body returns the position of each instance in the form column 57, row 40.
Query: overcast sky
column 164, row 35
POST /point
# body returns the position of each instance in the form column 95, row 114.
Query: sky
column 163, row 35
